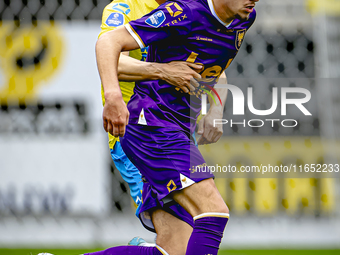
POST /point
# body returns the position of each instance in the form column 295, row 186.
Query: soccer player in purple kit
column 161, row 119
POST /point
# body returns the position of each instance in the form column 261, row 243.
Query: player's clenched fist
column 182, row 74
column 115, row 116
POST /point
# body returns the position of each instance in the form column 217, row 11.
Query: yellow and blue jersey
column 116, row 14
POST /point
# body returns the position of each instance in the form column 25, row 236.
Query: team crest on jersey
column 121, row 7
column 156, row 19
column 239, row 38
column 115, row 20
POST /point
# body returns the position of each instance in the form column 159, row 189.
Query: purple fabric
column 128, row 250
column 182, row 30
column 161, row 154
column 150, row 202
column 206, row 236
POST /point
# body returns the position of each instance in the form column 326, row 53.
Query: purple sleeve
column 168, row 20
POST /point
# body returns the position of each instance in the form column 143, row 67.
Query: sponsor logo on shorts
column 115, row 20
column 185, row 181
column 156, row 19
column 171, row 186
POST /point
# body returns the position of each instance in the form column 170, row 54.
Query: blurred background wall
column 58, row 186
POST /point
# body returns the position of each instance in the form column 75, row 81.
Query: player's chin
column 243, row 15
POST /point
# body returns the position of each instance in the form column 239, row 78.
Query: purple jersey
column 186, row 30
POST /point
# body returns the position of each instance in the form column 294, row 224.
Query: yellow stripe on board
column 300, row 193
column 329, row 7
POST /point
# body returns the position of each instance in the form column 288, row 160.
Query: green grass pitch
column 222, row 252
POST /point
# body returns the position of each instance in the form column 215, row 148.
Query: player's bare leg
column 201, row 197
column 172, row 233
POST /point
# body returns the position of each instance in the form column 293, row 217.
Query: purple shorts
column 165, row 157
column 150, row 203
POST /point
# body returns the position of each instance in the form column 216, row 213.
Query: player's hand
column 182, row 74
column 209, row 133
column 115, row 116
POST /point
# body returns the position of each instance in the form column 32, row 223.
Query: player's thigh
column 172, row 233
column 201, row 197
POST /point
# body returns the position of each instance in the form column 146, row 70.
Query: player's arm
column 177, row 73
column 155, row 27
column 142, row 32
column 108, row 49
column 209, row 133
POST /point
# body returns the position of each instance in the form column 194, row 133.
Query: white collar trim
column 212, row 9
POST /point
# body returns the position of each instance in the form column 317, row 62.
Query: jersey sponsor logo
column 156, row 19
column 175, row 21
column 239, row 38
column 115, row 20
column 121, row 7
column 174, row 9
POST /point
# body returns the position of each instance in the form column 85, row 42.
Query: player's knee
column 217, row 207
column 216, row 202
column 223, row 208
column 202, row 197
